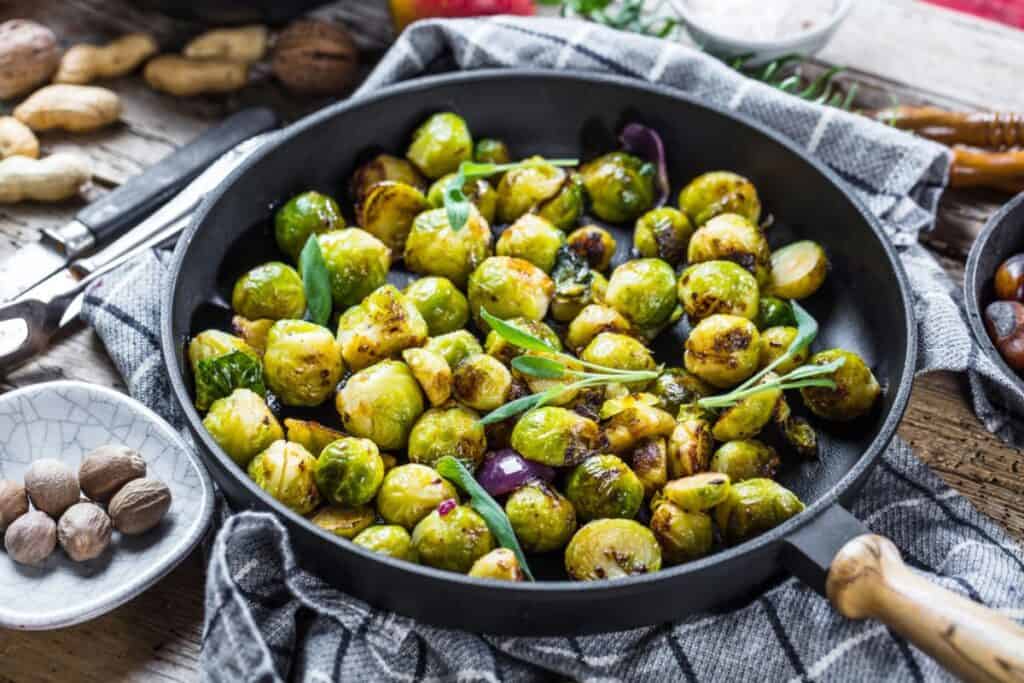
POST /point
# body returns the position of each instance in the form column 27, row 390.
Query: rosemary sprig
column 625, row 15
column 783, row 73
column 458, row 205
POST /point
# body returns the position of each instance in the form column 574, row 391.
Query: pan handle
column 866, row 578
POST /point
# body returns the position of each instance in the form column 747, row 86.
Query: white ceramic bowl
column 66, row 420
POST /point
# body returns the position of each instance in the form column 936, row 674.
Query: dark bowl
column 1002, row 237
column 864, row 306
column 232, row 11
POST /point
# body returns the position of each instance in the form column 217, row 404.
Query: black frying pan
column 865, row 306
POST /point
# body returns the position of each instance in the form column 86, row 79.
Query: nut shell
column 28, row 55
column 315, row 57
column 106, row 469
column 52, row 486
column 84, row 531
column 31, row 538
column 13, row 502
column 139, row 506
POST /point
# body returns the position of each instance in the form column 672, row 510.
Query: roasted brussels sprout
column 357, row 263
column 313, row 436
column 718, row 287
column 532, row 239
column 524, row 189
column 604, row 486
column 798, row 270
column 576, row 285
column 349, row 471
column 491, row 151
column 798, row 433
column 565, row 208
column 454, row 347
column 387, row 539
column 410, row 492
column 448, row 431
column 253, row 332
column 620, row 186
column 285, row 471
column 381, row 168
column 643, row 290
column 302, row 364
column 440, row 144
column 612, row 549
column 212, row 344
column 689, row 447
column 480, row 192
column 753, row 507
column 632, row 419
column 442, row 305
column 432, row 372
column 273, row 290
column 481, row 382
column 433, row 248
column 733, row 238
column 698, row 492
column 856, row 388
column 510, row 288
column 387, row 211
column 676, row 387
column 650, row 463
column 543, row 519
column 718, row 192
column 347, row 522
column 593, row 320
column 618, row 351
column 683, row 536
column 745, row 459
column 454, row 540
column 775, row 341
column 505, row 351
column 381, row 403
column 309, row 213
column 663, row 233
column 723, row 350
column 499, row 564
column 555, row 436
column 382, row 326
column 774, row 312
column 593, row 243
column 749, row 415
column 242, row 425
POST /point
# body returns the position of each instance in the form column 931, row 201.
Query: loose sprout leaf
column 458, row 206
column 316, row 281
column 453, row 470
column 538, row 366
column 218, row 377
column 515, row 336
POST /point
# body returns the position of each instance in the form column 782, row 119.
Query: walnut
column 28, row 56
column 84, row 531
column 31, row 538
column 52, row 486
column 139, row 506
column 13, row 502
column 315, row 57
column 106, row 469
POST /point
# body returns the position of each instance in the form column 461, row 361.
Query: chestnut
column 1009, row 280
column 1005, row 323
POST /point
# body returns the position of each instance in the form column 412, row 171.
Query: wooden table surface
column 903, row 50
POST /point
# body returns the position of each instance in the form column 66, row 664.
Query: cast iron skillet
column 864, row 306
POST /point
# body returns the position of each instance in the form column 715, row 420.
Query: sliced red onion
column 504, row 471
column 645, row 142
column 446, row 506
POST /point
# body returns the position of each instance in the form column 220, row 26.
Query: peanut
column 243, row 44
column 52, row 179
column 86, row 63
column 17, row 139
column 75, row 108
column 185, row 77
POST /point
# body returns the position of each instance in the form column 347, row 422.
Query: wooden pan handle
column 868, row 579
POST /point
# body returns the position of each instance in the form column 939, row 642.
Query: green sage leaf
column 538, row 366
column 515, row 336
column 316, row 280
column 217, row 377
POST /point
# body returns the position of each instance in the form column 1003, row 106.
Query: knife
column 123, row 207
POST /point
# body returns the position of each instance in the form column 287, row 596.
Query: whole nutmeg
column 31, row 538
column 13, row 502
column 139, row 506
column 84, row 531
column 315, row 57
column 106, row 469
column 29, row 54
column 52, row 486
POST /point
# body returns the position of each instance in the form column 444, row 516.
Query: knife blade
column 123, row 207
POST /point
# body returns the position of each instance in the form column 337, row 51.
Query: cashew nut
column 186, row 77
column 75, row 108
column 52, row 179
column 243, row 44
column 17, row 139
column 86, row 63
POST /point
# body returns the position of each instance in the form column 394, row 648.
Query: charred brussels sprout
column 753, row 507
column 748, row 416
column 347, row 522
column 576, row 285
column 774, row 312
column 432, row 372
column 650, row 463
column 683, row 536
column 719, row 192
column 302, row 363
column 604, row 486
column 313, row 436
column 442, row 305
column 532, row 239
column 505, row 351
column 732, row 238
column 632, row 419
column 383, row 325
column 387, row 539
column 663, row 233
column 481, row 382
column 452, row 541
column 542, row 518
column 620, row 186
column 500, row 564
column 698, row 492
column 349, row 471
column 491, row 151
column 566, row 207
column 253, row 332
column 526, row 188
column 440, row 144
column 480, row 192
column 746, row 459
column 410, row 492
column 510, row 288
column 448, row 431
column 273, row 290
column 595, row 244
column 285, row 471
column 242, row 425
column 718, row 287
column 612, row 549
column 357, row 263
column 643, row 290
column 212, row 344
column 381, row 403
column 381, row 168
column 433, row 248
column 387, row 212
column 856, row 388
column 454, row 347
column 775, row 341
column 555, row 436
column 798, row 270
column 676, row 387
column 723, row 350
column 309, row 213
column 689, row 447
column 618, row 351
column 593, row 320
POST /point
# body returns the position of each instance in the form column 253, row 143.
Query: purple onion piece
column 645, row 143
column 446, row 506
column 504, row 471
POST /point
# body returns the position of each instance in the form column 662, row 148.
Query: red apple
column 404, row 12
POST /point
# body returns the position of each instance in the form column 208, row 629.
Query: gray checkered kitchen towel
column 266, row 619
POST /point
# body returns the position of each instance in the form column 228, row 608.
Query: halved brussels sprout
column 523, row 189
column 381, row 168
column 410, row 492
column 510, row 288
column 481, row 382
column 566, row 207
column 272, row 290
column 749, row 415
column 433, row 248
column 383, row 325
column 593, row 243
column 612, row 549
column 441, row 304
column 285, row 471
column 454, row 347
column 532, row 239
column 675, row 387
column 618, row 351
column 499, row 564
column 432, row 372
column 718, row 192
column 440, row 144
column 593, row 320
column 650, row 463
column 313, row 436
column 387, row 212
column 388, row 539
column 718, row 287
column 349, row 471
column 683, row 536
column 698, row 492
column 454, row 540
column 745, row 459
column 253, row 332
column 505, row 351
column 347, row 522
column 753, row 507
column 689, row 447
column 723, row 350
column 643, row 290
column 798, row 270
column 357, row 263
column 856, row 388
column 774, row 312
column 480, row 192
column 798, row 433
column 634, row 420
column 302, row 363
column 381, row 403
column 604, row 486
column 491, row 151
column 555, row 436
column 309, row 213
column 663, row 233
column 541, row 517
column 242, row 425
column 211, row 344
column 733, row 238
column 448, row 431
column 775, row 341
column 620, row 186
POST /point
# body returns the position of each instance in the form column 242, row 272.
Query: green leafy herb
column 453, row 470
column 629, row 15
column 538, row 366
column 514, row 335
column 784, row 73
column 218, row 377
column 458, row 205
column 316, row 281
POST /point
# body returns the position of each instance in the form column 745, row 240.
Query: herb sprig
column 458, row 205
column 629, row 15
column 316, row 281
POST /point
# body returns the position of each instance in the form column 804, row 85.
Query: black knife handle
column 141, row 195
